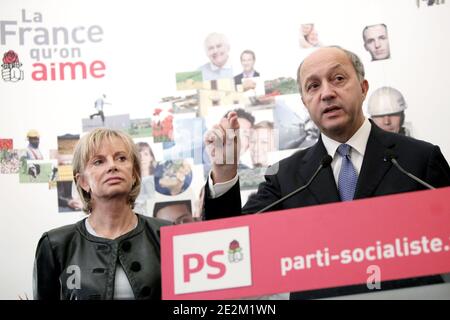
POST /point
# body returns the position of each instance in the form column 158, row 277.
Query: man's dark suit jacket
column 377, row 178
column 240, row 76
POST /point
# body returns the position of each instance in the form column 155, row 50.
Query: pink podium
column 358, row 242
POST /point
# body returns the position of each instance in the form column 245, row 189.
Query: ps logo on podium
column 212, row 260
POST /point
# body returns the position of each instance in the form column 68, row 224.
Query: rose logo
column 235, row 252
column 11, row 67
column 6, row 144
column 10, row 57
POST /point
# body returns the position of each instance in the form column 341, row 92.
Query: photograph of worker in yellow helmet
column 33, row 152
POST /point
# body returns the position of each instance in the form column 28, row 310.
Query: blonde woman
column 113, row 253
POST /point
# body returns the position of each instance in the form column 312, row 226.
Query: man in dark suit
column 332, row 87
column 248, row 65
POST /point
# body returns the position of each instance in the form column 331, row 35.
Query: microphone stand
column 326, row 160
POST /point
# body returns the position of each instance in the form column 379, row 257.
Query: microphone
column 389, row 155
column 325, row 162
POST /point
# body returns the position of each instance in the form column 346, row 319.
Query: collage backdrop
column 148, row 68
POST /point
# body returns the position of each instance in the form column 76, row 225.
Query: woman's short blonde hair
column 86, row 148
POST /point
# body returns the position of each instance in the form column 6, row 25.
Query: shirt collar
column 358, row 141
column 215, row 68
column 251, row 74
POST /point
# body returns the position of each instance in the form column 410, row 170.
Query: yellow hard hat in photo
column 33, row 134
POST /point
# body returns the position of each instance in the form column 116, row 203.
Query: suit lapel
column 323, row 188
column 373, row 167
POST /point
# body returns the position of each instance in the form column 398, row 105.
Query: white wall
column 146, row 42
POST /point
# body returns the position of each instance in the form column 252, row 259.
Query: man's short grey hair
column 356, row 62
column 216, row 35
